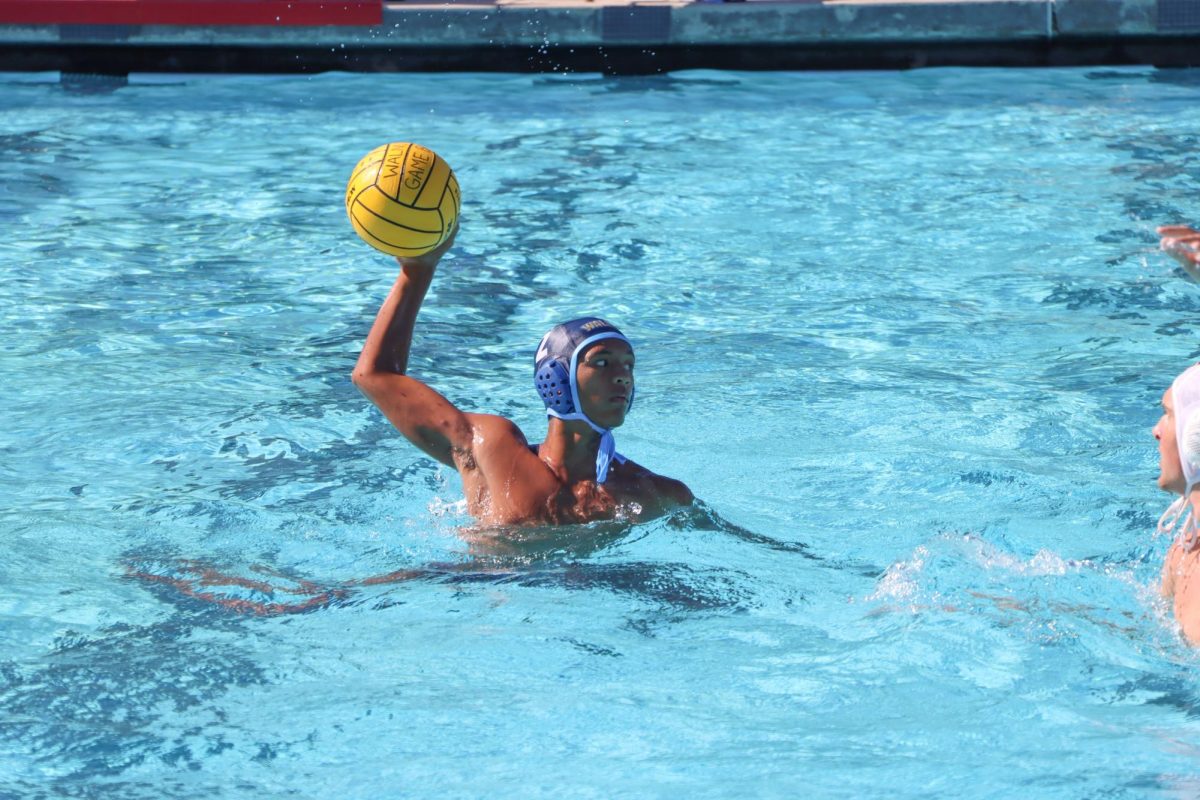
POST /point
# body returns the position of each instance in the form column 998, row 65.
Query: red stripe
column 191, row 12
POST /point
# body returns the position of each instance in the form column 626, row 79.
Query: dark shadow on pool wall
column 119, row 60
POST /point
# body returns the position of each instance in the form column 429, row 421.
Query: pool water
column 904, row 334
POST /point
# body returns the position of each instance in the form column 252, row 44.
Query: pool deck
column 630, row 36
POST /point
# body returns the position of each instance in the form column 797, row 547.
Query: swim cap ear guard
column 1189, row 447
column 554, row 368
column 554, row 386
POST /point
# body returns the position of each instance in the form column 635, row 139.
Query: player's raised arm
column 426, row 418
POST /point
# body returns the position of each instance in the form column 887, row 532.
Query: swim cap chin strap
column 552, row 374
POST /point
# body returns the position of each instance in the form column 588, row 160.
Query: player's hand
column 1182, row 243
column 429, row 261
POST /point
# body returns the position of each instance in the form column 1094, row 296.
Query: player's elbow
column 367, row 380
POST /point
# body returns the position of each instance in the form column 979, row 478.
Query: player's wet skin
column 585, row 375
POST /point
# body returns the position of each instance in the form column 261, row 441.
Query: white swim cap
column 1178, row 520
column 1185, row 393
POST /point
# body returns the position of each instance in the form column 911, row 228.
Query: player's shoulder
column 1173, row 566
column 674, row 489
column 662, row 486
column 496, row 430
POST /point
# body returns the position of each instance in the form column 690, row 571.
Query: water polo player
column 1178, row 435
column 584, row 374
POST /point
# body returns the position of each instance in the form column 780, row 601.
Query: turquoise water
column 904, row 333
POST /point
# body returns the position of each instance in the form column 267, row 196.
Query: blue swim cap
column 554, row 376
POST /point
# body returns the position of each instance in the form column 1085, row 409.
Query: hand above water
column 1182, row 243
column 427, row 263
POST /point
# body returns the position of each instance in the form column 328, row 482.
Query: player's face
column 1170, row 471
column 604, row 377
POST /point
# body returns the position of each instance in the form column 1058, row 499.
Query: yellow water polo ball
column 402, row 199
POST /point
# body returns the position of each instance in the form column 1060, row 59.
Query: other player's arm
column 426, row 418
column 1182, row 243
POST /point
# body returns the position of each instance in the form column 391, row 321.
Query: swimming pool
column 904, row 334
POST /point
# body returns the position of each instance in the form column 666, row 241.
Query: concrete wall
column 459, row 35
